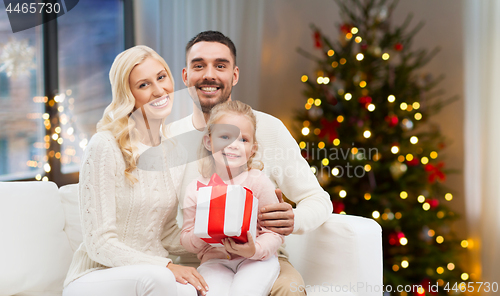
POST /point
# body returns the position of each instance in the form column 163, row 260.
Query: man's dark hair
column 212, row 36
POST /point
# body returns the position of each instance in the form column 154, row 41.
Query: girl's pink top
column 266, row 243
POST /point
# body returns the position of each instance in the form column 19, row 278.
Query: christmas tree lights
column 366, row 116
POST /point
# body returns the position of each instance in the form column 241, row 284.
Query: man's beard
column 206, row 106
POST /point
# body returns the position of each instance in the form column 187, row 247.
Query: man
column 211, row 69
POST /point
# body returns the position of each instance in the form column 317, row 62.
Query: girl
column 229, row 148
column 128, row 215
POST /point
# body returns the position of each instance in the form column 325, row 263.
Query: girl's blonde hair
column 116, row 115
column 207, row 162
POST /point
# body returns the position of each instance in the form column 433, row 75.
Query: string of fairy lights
column 59, row 128
column 426, row 203
column 17, row 59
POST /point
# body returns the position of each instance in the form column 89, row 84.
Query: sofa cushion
column 73, row 228
column 35, row 253
column 341, row 257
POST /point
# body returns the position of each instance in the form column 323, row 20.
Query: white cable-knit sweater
column 125, row 224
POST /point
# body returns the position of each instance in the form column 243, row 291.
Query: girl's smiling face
column 231, row 140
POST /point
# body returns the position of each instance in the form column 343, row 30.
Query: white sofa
column 40, row 230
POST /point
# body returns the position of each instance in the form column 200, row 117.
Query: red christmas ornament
column 398, row 46
column 331, row 98
column 317, row 39
column 413, row 162
column 345, row 28
column 392, row 120
column 304, row 154
column 426, row 284
column 435, row 172
column 364, row 46
column 365, row 101
column 330, row 129
column 338, row 206
column 395, row 237
column 433, row 203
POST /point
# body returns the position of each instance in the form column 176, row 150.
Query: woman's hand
column 246, row 250
column 185, row 275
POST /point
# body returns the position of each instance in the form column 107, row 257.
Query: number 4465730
column 472, row 287
column 32, row 8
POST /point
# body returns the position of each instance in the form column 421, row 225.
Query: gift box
column 224, row 211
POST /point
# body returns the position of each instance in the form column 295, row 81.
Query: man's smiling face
column 211, row 70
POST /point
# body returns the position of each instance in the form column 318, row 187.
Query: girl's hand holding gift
column 246, row 250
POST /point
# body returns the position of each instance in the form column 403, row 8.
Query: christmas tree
column 365, row 132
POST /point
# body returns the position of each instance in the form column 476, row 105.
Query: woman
column 128, row 215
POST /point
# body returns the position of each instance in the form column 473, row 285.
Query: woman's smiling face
column 151, row 86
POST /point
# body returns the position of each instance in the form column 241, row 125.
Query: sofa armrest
column 341, row 257
column 34, row 251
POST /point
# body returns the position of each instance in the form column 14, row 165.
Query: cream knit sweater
column 125, row 224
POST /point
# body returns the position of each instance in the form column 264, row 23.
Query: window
column 4, row 86
column 53, row 91
column 90, row 37
column 22, row 153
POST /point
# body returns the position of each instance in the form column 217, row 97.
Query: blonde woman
column 128, row 215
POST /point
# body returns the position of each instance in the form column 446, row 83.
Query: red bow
column 392, row 120
column 395, row 237
column 338, row 206
column 345, row 28
column 329, row 128
column 365, row 101
column 427, row 283
column 413, row 162
column 317, row 39
column 214, row 180
column 435, row 172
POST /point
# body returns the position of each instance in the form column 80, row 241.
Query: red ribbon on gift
column 217, row 211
